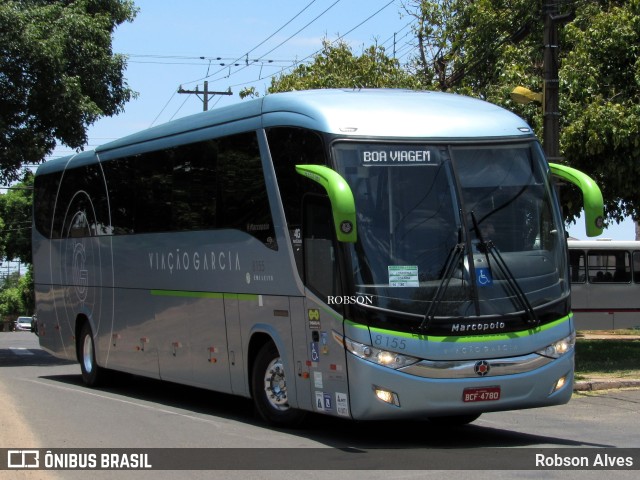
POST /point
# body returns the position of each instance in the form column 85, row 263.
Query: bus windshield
column 454, row 231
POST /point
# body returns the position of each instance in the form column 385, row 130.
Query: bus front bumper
column 426, row 390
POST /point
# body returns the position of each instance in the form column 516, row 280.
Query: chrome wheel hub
column 275, row 385
column 87, row 354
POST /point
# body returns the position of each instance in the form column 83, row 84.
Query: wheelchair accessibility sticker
column 483, row 277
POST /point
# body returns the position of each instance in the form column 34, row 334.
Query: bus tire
column 269, row 388
column 454, row 420
column 92, row 374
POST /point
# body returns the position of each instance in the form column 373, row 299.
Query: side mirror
column 592, row 196
column 343, row 205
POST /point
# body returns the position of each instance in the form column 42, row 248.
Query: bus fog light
column 562, row 381
column 386, row 396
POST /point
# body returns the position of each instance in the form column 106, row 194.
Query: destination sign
column 397, row 156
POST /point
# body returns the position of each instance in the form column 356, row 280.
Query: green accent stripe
column 188, row 294
column 499, row 337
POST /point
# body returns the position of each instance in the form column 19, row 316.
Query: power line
column 245, row 55
column 191, row 57
column 283, row 42
column 320, row 49
column 163, row 108
column 179, row 108
column 238, row 59
column 303, row 28
column 254, row 62
column 218, row 61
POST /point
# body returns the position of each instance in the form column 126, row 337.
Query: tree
column 600, row 84
column 17, row 294
column 337, row 67
column 58, row 75
column 486, row 47
column 15, row 221
column 11, row 299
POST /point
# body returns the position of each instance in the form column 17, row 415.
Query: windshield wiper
column 489, row 248
column 452, row 264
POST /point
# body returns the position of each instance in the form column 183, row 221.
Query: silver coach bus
column 605, row 284
column 364, row 254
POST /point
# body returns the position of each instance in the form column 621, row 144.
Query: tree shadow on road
column 329, row 431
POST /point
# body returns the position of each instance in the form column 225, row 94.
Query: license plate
column 481, row 394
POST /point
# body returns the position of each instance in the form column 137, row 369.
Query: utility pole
column 205, row 94
column 551, row 112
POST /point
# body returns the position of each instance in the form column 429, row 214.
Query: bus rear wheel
column 92, row 374
column 269, row 386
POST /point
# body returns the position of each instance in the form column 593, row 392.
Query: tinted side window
column 290, row 147
column 81, row 209
column 191, row 192
column 243, row 203
column 217, row 183
column 163, row 191
column 320, row 266
column 44, row 198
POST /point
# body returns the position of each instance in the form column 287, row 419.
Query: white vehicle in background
column 23, row 324
column 605, row 281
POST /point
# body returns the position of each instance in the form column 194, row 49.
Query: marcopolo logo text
column 478, row 327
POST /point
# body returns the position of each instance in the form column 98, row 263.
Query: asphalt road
column 46, row 406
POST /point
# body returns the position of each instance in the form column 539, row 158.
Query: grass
column 607, row 358
column 620, row 332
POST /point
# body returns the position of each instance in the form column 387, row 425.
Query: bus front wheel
column 270, row 389
column 91, row 373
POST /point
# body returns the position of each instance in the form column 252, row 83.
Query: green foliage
column 487, row 47
column 26, row 291
column 11, row 297
column 17, row 292
column 337, row 67
column 15, row 221
column 607, row 356
column 600, row 93
column 58, row 75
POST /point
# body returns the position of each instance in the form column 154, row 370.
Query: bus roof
column 387, row 113
column 378, row 112
column 604, row 244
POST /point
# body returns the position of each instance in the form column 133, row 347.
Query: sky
column 174, row 44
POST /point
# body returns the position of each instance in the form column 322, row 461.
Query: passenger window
column 213, row 184
column 577, row 266
column 609, row 266
column 636, row 267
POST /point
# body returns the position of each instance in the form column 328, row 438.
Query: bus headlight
column 559, row 348
column 381, row 357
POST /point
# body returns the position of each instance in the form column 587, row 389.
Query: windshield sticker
column 403, row 276
column 399, row 156
column 483, row 277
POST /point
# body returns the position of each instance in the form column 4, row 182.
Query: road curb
column 605, row 385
